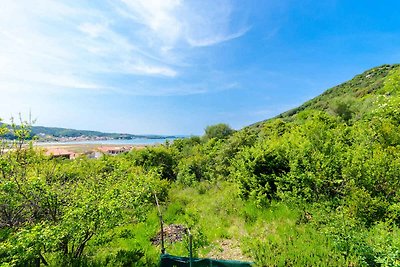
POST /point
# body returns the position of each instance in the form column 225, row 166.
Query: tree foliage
column 218, row 131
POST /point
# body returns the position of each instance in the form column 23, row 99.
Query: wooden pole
column 190, row 249
column 161, row 225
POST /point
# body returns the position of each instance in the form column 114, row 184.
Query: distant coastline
column 86, row 139
column 133, row 141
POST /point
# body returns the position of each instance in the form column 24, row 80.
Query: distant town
column 48, row 138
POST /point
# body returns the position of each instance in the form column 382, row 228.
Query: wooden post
column 190, row 249
column 161, row 225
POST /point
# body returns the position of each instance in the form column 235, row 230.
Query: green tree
column 218, row 131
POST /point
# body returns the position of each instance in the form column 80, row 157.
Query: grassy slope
column 226, row 227
column 359, row 89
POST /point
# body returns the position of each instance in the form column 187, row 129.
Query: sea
column 135, row 141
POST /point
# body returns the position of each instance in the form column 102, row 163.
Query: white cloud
column 150, row 70
column 202, row 23
column 157, row 15
column 60, row 45
column 93, row 30
column 216, row 39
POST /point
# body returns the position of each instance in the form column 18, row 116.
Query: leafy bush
column 218, row 131
column 158, row 159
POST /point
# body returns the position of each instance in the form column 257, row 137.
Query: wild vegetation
column 317, row 186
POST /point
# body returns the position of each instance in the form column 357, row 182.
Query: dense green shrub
column 218, row 131
column 257, row 170
column 158, row 159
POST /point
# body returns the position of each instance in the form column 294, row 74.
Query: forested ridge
column 316, row 186
column 43, row 133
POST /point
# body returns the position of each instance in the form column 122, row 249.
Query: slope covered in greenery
column 317, row 187
column 352, row 98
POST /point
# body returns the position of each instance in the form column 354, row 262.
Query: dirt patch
column 172, row 233
column 227, row 249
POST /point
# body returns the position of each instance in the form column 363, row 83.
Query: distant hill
column 55, row 133
column 64, row 132
column 354, row 97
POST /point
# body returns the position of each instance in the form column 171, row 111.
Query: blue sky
column 175, row 66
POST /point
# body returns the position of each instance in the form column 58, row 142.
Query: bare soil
column 172, row 233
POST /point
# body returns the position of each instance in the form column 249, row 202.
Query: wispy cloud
column 216, row 39
column 175, row 21
column 142, row 68
column 93, row 46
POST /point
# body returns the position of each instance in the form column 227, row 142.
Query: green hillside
column 353, row 98
column 316, row 186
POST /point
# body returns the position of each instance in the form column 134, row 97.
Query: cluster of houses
column 97, row 153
